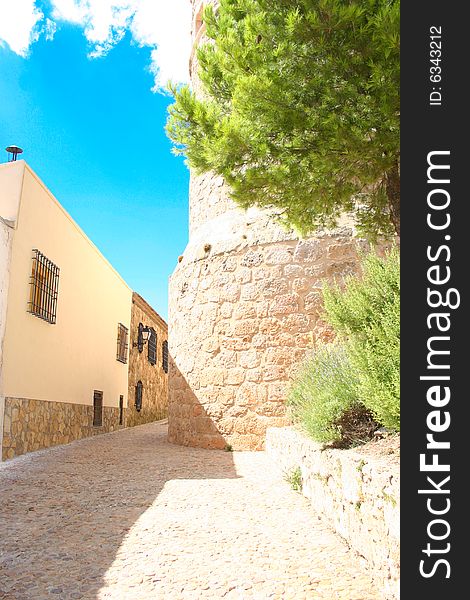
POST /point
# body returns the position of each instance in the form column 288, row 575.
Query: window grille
column 97, row 409
column 139, row 388
column 165, row 356
column 44, row 286
column 152, row 347
column 122, row 343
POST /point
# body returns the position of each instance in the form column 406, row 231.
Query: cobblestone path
column 128, row 516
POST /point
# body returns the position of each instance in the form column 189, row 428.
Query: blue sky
column 93, row 130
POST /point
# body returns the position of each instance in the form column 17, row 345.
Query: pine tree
column 300, row 109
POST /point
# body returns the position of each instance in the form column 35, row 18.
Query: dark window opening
column 122, row 343
column 44, row 288
column 138, row 396
column 121, row 410
column 97, row 409
column 140, row 338
column 165, row 356
column 152, row 347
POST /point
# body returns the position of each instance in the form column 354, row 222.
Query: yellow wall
column 64, row 362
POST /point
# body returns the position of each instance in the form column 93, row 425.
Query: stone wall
column 153, row 377
column 244, row 308
column 34, row 424
column 359, row 494
column 209, row 198
column 241, row 319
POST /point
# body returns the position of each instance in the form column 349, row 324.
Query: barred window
column 122, row 343
column 97, row 409
column 139, row 388
column 44, row 286
column 165, row 356
column 152, row 347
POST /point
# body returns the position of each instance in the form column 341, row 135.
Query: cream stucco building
column 65, row 319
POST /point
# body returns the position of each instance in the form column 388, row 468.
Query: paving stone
column 128, row 516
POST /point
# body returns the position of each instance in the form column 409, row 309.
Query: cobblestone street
column 127, row 516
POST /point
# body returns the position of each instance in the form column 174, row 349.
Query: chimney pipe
column 14, row 151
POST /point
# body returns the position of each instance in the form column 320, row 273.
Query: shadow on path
column 65, row 511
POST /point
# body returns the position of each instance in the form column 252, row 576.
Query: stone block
column 230, row 293
column 249, row 359
column 278, row 356
column 250, row 394
column 259, row 340
column 229, row 263
column 273, row 373
column 249, row 291
column 292, row 271
column 212, row 376
column 272, row 272
column 296, row 323
column 235, row 376
column 279, row 255
column 285, row 304
column 244, row 310
column 243, row 275
column 309, row 251
column 272, row 287
column 246, row 327
column 277, row 392
column 252, row 259
column 255, row 375
column 226, row 310
column 313, row 302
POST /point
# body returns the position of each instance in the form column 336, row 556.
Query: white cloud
column 19, row 20
column 49, row 29
column 161, row 25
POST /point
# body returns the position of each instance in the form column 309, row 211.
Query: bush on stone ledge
column 347, row 389
column 323, row 399
column 366, row 316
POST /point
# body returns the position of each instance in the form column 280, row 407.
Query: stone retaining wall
column 358, row 494
column 34, row 424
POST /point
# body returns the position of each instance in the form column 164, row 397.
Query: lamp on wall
column 144, row 334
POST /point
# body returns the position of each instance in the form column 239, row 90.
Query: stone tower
column 244, row 308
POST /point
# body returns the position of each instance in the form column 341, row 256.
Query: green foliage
column 300, row 108
column 323, row 391
column 228, row 448
column 294, row 479
column 366, row 314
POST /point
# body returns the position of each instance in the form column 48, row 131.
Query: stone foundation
column 358, row 494
column 34, row 424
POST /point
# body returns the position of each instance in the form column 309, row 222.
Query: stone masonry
column 34, row 424
column 244, row 308
column 356, row 491
column 153, row 377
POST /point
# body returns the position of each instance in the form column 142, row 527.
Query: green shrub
column 366, row 315
column 323, row 390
